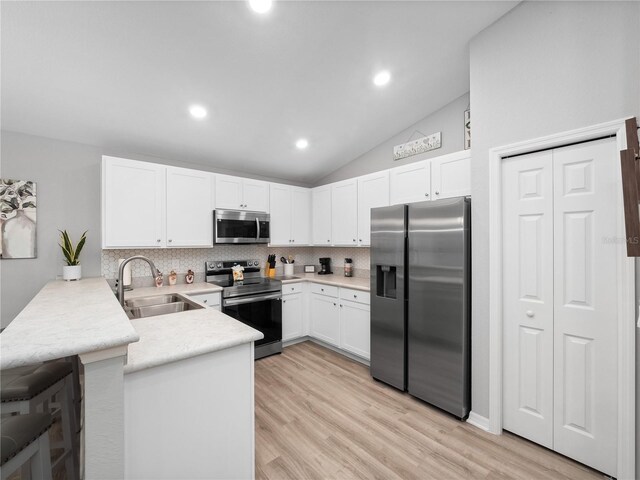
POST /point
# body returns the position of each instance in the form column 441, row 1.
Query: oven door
column 262, row 312
column 231, row 226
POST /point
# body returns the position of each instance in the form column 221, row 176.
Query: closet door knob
column 530, row 313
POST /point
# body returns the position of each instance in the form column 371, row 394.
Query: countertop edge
column 196, row 352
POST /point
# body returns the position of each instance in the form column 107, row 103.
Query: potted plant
column 72, row 270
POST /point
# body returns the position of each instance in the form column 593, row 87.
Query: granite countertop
column 64, row 319
column 177, row 336
column 357, row 283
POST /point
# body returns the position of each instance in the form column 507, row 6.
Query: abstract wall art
column 17, row 219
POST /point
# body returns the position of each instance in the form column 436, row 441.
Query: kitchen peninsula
column 147, row 374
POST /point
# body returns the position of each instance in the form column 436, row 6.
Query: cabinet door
column 229, row 192
column 280, row 226
column 325, row 319
column 300, row 216
column 321, row 215
column 133, row 195
column 189, row 209
column 255, row 195
column 451, row 176
column 292, row 317
column 344, row 213
column 410, row 183
column 355, row 327
column 373, row 191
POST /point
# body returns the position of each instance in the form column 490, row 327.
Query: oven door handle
column 260, row 298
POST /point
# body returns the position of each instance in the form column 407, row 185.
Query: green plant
column 71, row 254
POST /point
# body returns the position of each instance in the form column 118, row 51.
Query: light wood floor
column 319, row 415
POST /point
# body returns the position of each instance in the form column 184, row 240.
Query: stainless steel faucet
column 154, row 273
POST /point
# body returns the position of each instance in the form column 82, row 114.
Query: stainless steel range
column 255, row 301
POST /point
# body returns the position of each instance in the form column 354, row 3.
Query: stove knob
column 219, row 265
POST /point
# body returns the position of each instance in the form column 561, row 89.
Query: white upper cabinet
column 255, row 195
column 321, row 215
column 300, row 216
column 229, row 192
column 236, row 193
column 451, row 175
column 441, row 177
column 290, row 215
column 189, row 209
column 146, row 205
column 373, row 192
column 344, row 212
column 133, row 196
column 280, row 224
column 410, row 183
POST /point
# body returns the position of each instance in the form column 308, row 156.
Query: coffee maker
column 325, row 266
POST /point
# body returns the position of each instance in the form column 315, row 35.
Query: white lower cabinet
column 210, row 299
column 340, row 317
column 292, row 316
column 325, row 319
column 355, row 326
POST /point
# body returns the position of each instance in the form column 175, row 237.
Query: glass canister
column 348, row 267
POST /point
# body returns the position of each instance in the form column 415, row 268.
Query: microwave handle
column 257, row 229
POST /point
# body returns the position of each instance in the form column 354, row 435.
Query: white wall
column 449, row 120
column 543, row 68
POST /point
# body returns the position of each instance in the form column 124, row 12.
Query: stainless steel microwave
column 235, row 226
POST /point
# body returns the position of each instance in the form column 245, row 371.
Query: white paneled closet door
column 560, row 296
column 586, row 297
column 528, row 297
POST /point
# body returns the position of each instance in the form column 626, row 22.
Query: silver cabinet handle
column 205, row 301
column 360, row 239
column 334, row 304
column 170, row 240
column 158, row 240
column 284, row 301
column 293, row 241
column 426, row 194
column 328, row 241
column 322, row 289
column 355, row 296
column 340, row 305
column 437, row 193
column 354, row 239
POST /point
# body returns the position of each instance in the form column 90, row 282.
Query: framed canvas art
column 17, row 219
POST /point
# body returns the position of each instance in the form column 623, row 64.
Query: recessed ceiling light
column 260, row 6
column 302, row 143
column 382, row 78
column 198, row 111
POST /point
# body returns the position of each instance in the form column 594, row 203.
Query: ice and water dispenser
column 386, row 281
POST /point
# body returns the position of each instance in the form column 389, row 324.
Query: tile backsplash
column 183, row 259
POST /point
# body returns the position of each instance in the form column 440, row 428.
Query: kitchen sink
column 158, row 305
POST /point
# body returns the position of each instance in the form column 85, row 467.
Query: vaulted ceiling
column 122, row 75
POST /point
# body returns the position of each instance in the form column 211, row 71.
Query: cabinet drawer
column 291, row 288
column 326, row 290
column 211, row 299
column 351, row 295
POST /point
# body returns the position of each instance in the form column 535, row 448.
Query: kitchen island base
column 193, row 418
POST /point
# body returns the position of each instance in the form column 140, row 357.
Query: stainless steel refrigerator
column 421, row 301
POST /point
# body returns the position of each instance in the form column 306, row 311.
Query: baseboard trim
column 326, row 345
column 478, row 421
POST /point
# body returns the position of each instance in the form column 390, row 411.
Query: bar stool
column 25, row 443
column 32, row 389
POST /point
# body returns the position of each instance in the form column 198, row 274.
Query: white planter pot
column 71, row 272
